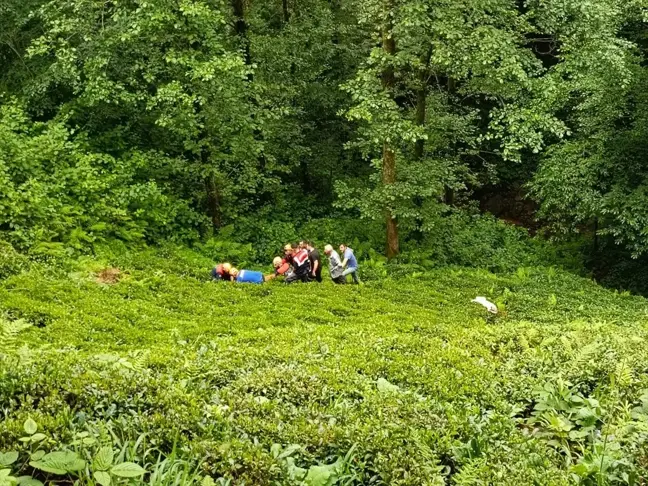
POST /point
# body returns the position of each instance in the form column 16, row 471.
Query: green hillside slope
column 399, row 381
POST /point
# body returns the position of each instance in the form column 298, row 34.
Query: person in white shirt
column 335, row 265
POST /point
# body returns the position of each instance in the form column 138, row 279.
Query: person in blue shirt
column 349, row 263
column 247, row 276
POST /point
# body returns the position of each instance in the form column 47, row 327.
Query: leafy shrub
column 11, row 262
column 266, row 237
column 483, row 241
column 57, row 191
column 345, row 230
column 223, row 249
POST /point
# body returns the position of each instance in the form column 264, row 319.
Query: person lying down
column 247, row 276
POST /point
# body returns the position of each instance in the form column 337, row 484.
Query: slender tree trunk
column 213, row 202
column 419, row 145
column 421, row 103
column 449, row 195
column 389, row 177
column 388, row 156
column 286, row 12
column 241, row 28
column 421, row 98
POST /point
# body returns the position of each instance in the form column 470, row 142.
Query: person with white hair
column 222, row 271
column 335, row 265
column 281, row 268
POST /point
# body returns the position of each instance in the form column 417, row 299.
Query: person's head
column 328, row 249
column 234, row 272
column 303, row 244
column 288, row 249
column 310, row 246
column 227, row 267
column 343, row 247
column 276, row 262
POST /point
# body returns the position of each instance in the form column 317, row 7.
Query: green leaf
column 6, row 479
column 104, row 459
column 127, row 470
column 60, row 462
column 8, row 458
column 207, row 481
column 28, row 481
column 30, row 426
column 289, row 451
column 38, row 437
column 38, row 455
column 102, row 477
column 319, row 475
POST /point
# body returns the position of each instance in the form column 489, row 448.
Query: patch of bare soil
column 109, row 276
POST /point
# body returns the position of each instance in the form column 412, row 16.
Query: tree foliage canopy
column 172, row 118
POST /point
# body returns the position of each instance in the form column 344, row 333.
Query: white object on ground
column 490, row 307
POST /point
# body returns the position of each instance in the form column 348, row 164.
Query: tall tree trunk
column 419, row 145
column 388, row 156
column 421, row 98
column 241, row 28
column 449, row 195
column 389, row 177
column 286, row 12
column 213, row 202
column 421, row 102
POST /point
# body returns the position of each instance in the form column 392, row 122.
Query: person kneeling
column 300, row 263
column 281, row 268
column 335, row 265
column 350, row 264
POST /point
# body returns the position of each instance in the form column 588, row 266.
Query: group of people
column 301, row 262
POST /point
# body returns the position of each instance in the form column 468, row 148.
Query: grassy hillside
column 400, row 381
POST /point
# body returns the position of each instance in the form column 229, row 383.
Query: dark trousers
column 339, row 280
column 301, row 274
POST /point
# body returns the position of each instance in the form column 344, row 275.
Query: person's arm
column 315, row 267
column 278, row 271
column 345, row 261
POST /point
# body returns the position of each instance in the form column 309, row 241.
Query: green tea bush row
column 400, row 381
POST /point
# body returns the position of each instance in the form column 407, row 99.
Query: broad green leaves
column 8, row 458
column 104, row 459
column 6, row 479
column 61, row 462
column 127, row 470
column 102, row 477
column 30, row 426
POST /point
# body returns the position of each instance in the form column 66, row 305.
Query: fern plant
column 9, row 331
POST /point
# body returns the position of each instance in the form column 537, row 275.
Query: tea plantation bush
column 166, row 378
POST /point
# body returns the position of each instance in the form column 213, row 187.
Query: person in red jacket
column 281, row 268
column 298, row 259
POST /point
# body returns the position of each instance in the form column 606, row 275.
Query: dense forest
column 482, row 165
column 149, row 121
